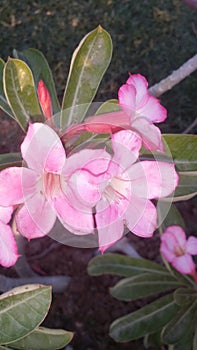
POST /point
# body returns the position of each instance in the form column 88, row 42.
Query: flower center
column 116, row 190
column 179, row 251
column 52, row 185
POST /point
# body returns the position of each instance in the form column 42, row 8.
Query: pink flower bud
column 44, row 99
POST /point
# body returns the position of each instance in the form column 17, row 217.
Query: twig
column 190, row 127
column 173, row 79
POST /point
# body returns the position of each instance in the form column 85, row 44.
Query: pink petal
column 153, row 110
column 184, row 264
column 168, row 246
column 191, row 245
column 141, row 217
column 42, row 149
column 36, row 218
column 178, row 235
column 109, row 235
column 11, row 190
column 76, row 218
column 141, row 86
column 126, row 146
column 127, row 98
column 108, row 122
column 8, row 247
column 150, row 134
column 5, row 214
column 152, row 179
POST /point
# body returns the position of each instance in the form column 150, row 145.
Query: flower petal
column 126, row 146
column 36, row 218
column 141, row 86
column 153, row 110
column 178, row 235
column 109, row 235
column 77, row 219
column 150, row 134
column 191, row 245
column 42, row 149
column 5, row 214
column 127, row 99
column 141, row 217
column 152, row 179
column 8, row 247
column 108, row 122
column 11, row 190
column 184, row 264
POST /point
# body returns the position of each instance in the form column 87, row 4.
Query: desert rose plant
column 102, row 174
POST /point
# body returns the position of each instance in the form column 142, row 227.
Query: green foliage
column 41, row 71
column 165, row 320
column 20, row 92
column 88, row 65
column 22, row 310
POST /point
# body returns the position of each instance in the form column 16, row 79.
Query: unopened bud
column 44, row 99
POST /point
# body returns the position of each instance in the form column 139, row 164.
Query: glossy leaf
column 184, row 296
column 183, row 149
column 41, row 71
column 122, row 265
column 10, row 159
column 88, row 65
column 143, row 285
column 20, row 92
column 148, row 319
column 3, row 102
column 22, row 309
column 108, row 106
column 179, row 325
column 44, row 339
column 153, row 340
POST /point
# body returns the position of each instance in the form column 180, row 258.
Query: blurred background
column 149, row 37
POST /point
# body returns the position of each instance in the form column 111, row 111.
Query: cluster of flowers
column 91, row 189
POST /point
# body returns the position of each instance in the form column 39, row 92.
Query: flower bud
column 44, row 99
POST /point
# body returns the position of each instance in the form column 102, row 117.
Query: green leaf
column 108, row 107
column 41, row 71
column 20, row 92
column 10, row 159
column 153, row 340
column 22, row 309
column 183, row 149
column 143, row 285
column 122, row 265
column 168, row 215
column 184, row 296
column 88, row 65
column 179, row 325
column 44, row 339
column 148, row 319
column 187, row 185
column 4, row 348
column 3, row 102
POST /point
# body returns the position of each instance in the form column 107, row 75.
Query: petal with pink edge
column 141, row 217
column 11, row 190
column 168, row 246
column 42, row 149
column 36, row 218
column 178, row 235
column 108, row 122
column 191, row 245
column 127, row 99
column 141, row 86
column 109, row 235
column 126, row 146
column 153, row 110
column 152, row 179
column 6, row 214
column 76, row 218
column 184, row 264
column 150, row 134
column 8, row 247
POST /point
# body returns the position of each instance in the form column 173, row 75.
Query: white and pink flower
column 178, row 250
column 8, row 248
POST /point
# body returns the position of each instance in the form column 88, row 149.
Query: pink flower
column 44, row 99
column 143, row 110
column 139, row 111
column 122, row 194
column 43, row 191
column 8, row 247
column 177, row 250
